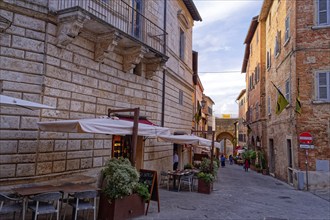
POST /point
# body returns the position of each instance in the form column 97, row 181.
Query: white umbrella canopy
column 102, row 126
column 187, row 139
column 15, row 102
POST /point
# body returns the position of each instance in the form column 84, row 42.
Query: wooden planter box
column 204, row 187
column 119, row 209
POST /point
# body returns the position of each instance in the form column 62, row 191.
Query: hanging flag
column 198, row 115
column 281, row 101
column 298, row 105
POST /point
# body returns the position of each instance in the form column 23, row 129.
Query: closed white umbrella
column 102, row 126
column 15, row 102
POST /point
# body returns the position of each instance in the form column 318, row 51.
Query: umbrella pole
column 135, row 134
column 135, row 129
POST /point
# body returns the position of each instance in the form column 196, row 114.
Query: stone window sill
column 317, row 102
column 320, row 27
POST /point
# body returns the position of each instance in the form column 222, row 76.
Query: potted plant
column 188, row 166
column 206, row 176
column 122, row 195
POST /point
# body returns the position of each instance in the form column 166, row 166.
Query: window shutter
column 287, row 28
column 323, row 11
column 322, row 86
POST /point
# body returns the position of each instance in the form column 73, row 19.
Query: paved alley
column 241, row 195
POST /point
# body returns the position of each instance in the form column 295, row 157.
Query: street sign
column 306, row 146
column 305, row 138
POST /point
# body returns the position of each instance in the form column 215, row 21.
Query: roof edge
column 192, row 10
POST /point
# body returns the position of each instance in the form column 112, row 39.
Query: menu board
column 149, row 177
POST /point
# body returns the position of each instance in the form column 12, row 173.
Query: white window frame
column 318, row 86
column 287, row 30
column 327, row 11
column 287, row 94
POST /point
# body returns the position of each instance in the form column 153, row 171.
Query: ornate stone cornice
column 132, row 57
column 106, row 43
column 153, row 65
column 69, row 26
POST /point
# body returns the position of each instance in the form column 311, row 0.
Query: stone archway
column 226, row 136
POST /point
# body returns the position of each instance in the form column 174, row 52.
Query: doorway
column 271, row 157
column 290, row 170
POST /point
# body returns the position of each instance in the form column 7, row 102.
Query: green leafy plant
column 143, row 191
column 206, row 177
column 188, row 166
column 205, row 168
column 122, row 179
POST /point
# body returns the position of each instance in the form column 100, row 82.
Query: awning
column 142, row 120
column 15, row 102
column 188, row 139
column 102, row 126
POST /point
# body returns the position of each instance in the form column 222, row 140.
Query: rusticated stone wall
column 34, row 68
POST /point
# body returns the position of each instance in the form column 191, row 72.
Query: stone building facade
column 242, row 131
column 254, row 67
column 296, row 56
column 84, row 57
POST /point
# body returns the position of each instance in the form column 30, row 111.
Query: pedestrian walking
column 230, row 159
column 246, row 165
column 223, row 161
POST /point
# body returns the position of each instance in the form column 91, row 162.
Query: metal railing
column 122, row 16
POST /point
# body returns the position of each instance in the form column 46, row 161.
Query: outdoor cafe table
column 25, row 192
column 175, row 175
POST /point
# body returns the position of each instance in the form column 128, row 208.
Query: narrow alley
column 241, row 195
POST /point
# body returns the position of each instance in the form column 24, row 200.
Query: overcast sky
column 219, row 41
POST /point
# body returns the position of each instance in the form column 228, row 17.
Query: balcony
column 114, row 25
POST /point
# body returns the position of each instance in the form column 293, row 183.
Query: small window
column 323, row 86
column 323, row 12
column 287, row 29
column 138, row 70
column 180, row 97
column 268, row 106
column 182, row 44
column 277, row 49
column 268, row 60
column 257, row 74
column 257, row 36
column 287, row 91
column 257, row 111
column 251, row 49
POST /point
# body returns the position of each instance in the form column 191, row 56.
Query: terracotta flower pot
column 125, row 208
column 204, row 187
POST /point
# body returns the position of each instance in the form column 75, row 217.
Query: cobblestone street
column 241, row 195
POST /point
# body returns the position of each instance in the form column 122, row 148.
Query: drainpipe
column 164, row 71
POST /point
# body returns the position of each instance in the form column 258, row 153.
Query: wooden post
column 135, row 129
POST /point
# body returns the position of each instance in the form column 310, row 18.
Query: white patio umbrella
column 15, row 102
column 102, row 126
column 188, row 139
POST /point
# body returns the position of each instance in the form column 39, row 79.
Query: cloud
column 223, row 94
column 219, row 41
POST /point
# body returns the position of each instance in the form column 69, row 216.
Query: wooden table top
column 68, row 188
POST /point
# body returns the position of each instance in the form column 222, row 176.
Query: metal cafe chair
column 45, row 203
column 83, row 201
column 10, row 204
column 164, row 179
column 188, row 178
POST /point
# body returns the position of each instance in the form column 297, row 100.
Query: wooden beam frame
column 135, row 128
